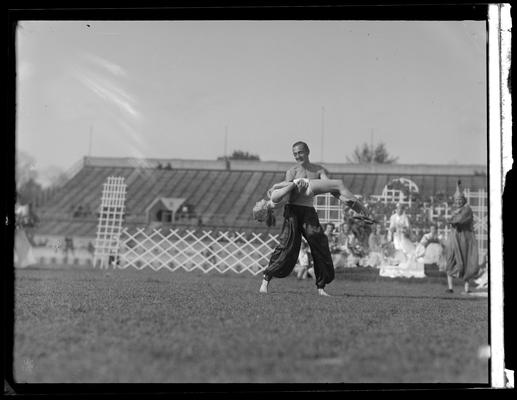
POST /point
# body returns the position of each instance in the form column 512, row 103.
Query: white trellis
column 207, row 251
column 111, row 215
column 329, row 209
column 478, row 202
column 437, row 211
column 389, row 195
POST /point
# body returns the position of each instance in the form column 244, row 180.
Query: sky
column 200, row 89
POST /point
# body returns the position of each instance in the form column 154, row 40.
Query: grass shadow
column 441, row 297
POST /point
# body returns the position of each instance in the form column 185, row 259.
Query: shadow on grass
column 444, row 297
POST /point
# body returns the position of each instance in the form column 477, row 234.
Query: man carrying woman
column 303, row 181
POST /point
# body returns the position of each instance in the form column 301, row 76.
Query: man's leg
column 450, row 287
column 285, row 255
column 318, row 243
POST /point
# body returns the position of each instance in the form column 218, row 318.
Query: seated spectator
column 430, row 249
column 482, row 279
column 350, row 250
column 332, row 237
column 377, row 239
column 376, row 243
column 304, row 263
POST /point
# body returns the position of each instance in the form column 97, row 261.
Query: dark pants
column 298, row 221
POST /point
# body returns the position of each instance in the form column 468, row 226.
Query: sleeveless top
column 304, row 198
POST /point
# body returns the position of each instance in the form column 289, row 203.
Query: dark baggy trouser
column 298, row 221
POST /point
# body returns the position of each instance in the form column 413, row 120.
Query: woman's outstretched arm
column 279, row 190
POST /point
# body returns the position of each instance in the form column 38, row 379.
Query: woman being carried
column 278, row 194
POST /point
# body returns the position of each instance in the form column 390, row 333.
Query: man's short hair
column 301, row 144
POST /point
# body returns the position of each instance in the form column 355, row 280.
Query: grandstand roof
column 219, row 196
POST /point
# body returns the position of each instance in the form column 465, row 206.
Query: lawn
column 128, row 326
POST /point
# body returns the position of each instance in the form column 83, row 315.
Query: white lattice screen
column 392, row 196
column 111, row 215
column 478, row 201
column 205, row 250
column 329, row 209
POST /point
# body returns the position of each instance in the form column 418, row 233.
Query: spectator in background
column 430, row 249
column 69, row 246
column 399, row 227
column 482, row 280
column 331, row 235
column 346, row 238
column 303, row 264
column 348, row 246
column 23, row 255
column 91, row 249
column 376, row 243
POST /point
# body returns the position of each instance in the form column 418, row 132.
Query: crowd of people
column 397, row 252
column 383, row 247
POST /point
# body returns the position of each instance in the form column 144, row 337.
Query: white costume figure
column 409, row 267
column 405, row 263
column 399, row 224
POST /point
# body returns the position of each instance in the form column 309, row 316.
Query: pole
column 225, row 142
column 371, row 147
column 90, row 142
column 322, row 130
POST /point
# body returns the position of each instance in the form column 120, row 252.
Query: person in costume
column 461, row 246
column 300, row 219
column 399, row 227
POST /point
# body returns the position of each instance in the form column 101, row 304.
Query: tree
column 52, row 176
column 240, row 155
column 25, row 169
column 29, row 191
column 367, row 154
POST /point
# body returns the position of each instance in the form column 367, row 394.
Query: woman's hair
column 263, row 212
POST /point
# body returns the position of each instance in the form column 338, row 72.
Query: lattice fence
column 207, row 251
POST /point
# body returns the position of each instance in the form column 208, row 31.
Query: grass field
column 82, row 326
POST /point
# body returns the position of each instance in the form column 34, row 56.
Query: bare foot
column 322, row 292
column 263, row 287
